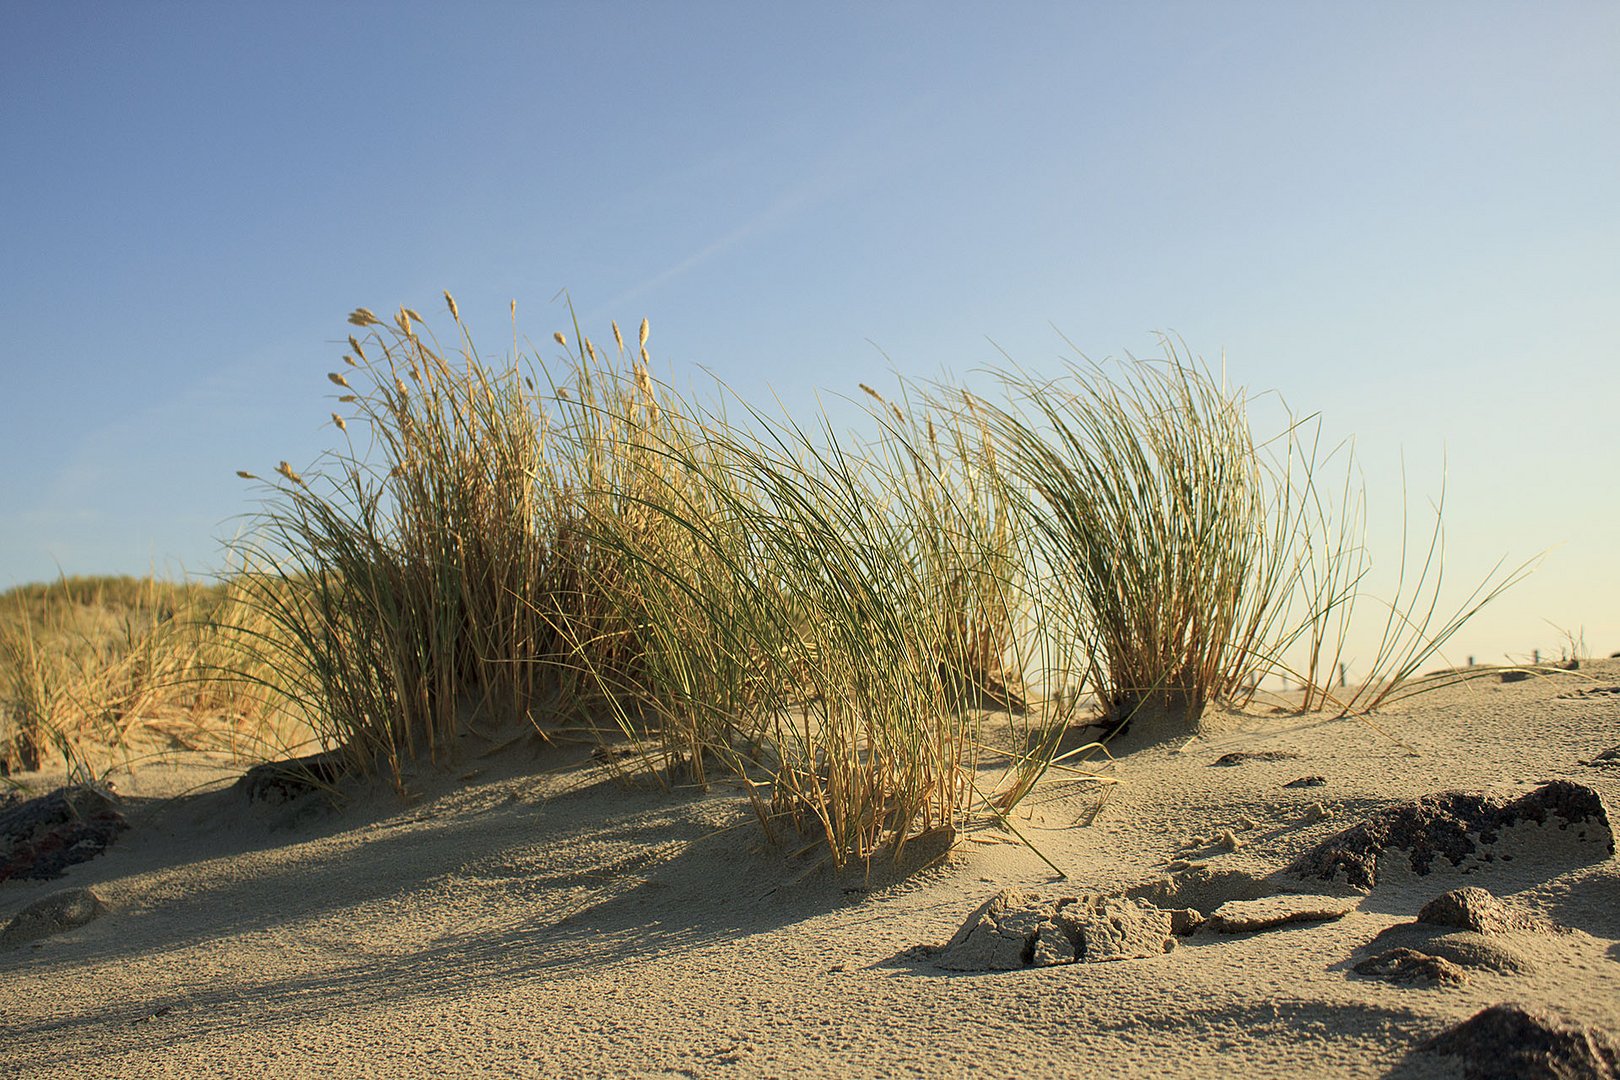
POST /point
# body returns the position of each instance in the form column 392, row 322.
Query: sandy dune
column 521, row 913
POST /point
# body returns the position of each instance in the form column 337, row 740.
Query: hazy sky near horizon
column 1404, row 216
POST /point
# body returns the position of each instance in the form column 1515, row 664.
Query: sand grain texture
column 539, row 919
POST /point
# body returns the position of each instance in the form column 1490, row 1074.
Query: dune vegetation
column 829, row 619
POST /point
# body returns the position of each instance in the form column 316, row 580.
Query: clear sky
column 1402, row 215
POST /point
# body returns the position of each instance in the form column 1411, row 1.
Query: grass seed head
column 244, row 474
column 338, row 420
column 618, row 338
column 363, row 317
column 645, row 327
column 339, row 380
column 450, row 302
column 559, row 339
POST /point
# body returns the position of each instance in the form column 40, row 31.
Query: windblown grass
column 134, row 665
column 822, row 617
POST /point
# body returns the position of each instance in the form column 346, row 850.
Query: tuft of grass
column 1145, row 494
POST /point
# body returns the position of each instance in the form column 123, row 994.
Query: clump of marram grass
column 735, row 594
column 1148, row 502
column 578, row 544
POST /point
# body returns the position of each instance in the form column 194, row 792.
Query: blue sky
column 1401, row 215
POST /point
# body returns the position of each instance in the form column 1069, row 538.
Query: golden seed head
column 355, row 345
column 410, row 313
column 244, row 474
column 399, row 385
column 618, row 338
column 348, row 399
column 559, row 339
column 589, row 348
column 562, row 392
column 287, row 470
column 645, row 359
column 450, row 301
column 363, row 317
column 350, row 360
column 339, row 379
column 871, row 393
column 338, row 420
column 644, row 330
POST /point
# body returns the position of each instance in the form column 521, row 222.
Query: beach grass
column 876, row 634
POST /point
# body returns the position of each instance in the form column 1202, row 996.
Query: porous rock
column 54, row 914
column 1509, row 1041
column 1270, row 912
column 41, row 837
column 1014, row 929
column 1307, row 781
column 999, row 935
column 1412, row 966
column 1473, row 908
column 1116, row 929
column 1457, row 826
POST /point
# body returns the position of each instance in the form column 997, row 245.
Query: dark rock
column 1411, row 966
column 1515, row 676
column 1268, row 913
column 54, row 914
column 1457, row 826
column 1473, row 908
column 1243, row 757
column 1510, row 1042
column 1307, row 781
column 40, row 838
column 283, row 781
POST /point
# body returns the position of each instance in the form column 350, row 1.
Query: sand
column 519, row 912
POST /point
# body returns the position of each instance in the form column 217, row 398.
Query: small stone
column 1473, row 908
column 1184, row 921
column 1307, row 781
column 1317, row 812
column 1228, row 841
column 56, row 913
column 1247, row 823
column 1411, row 966
column 1243, row 757
column 1196, row 842
column 1267, row 913
column 1508, row 1041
